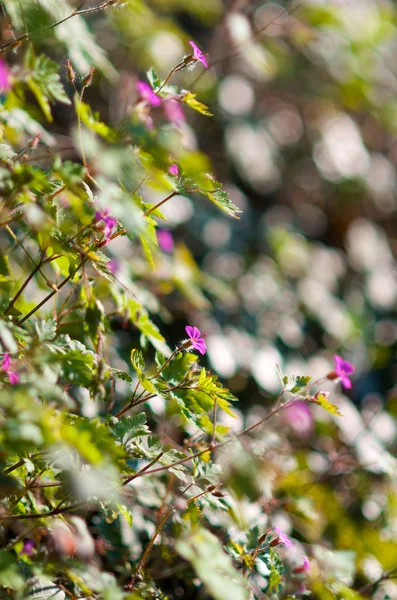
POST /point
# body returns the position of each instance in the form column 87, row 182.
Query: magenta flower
column 4, row 77
column 299, row 418
column 113, row 266
column 147, row 94
column 283, row 538
column 196, row 339
column 198, row 54
column 13, row 377
column 343, row 369
column 304, row 567
column 109, row 221
column 27, row 548
column 173, row 170
column 165, row 240
column 173, row 111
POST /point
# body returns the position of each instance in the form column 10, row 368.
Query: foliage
column 130, row 470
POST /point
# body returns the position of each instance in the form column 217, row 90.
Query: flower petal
column 347, row 384
column 6, row 362
column 13, row 377
column 190, row 330
column 198, row 54
column 200, row 345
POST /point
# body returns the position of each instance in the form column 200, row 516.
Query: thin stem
column 146, row 468
column 156, row 206
column 133, row 404
column 79, row 11
column 48, row 297
column 213, row 447
column 170, row 74
column 175, row 352
column 130, row 586
column 26, row 36
column 56, row 511
column 214, row 422
column 23, row 16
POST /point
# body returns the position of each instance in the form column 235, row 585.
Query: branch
column 51, row 513
column 79, row 11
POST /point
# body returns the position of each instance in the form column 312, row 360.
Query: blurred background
column 303, row 137
column 303, row 96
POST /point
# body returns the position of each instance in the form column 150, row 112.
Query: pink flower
column 147, row 94
column 173, row 111
column 4, row 77
column 27, row 548
column 304, row 567
column 165, row 240
column 343, row 369
column 13, row 377
column 113, row 266
column 173, row 170
column 283, row 538
column 109, row 221
column 300, row 418
column 196, row 339
column 198, row 54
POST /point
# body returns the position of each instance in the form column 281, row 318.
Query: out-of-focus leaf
column 201, row 548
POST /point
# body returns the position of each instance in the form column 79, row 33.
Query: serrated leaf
column 190, row 100
column 327, row 405
column 220, row 197
column 44, row 81
column 153, row 78
column 121, row 375
column 123, row 510
column 129, row 428
column 300, row 382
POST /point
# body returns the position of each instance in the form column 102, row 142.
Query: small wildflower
column 173, row 111
column 196, row 339
column 173, row 170
column 27, row 548
column 198, row 54
column 343, row 369
column 4, row 77
column 109, row 221
column 304, row 567
column 113, row 266
column 13, row 377
column 147, row 94
column 283, row 538
column 299, row 418
column 165, row 240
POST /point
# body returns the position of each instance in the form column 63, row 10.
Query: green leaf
column 44, row 81
column 213, row 566
column 153, row 78
column 4, row 271
column 137, row 361
column 93, row 122
column 214, row 192
column 123, row 510
column 129, row 428
column 326, row 405
column 299, row 383
column 176, row 371
column 190, row 100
